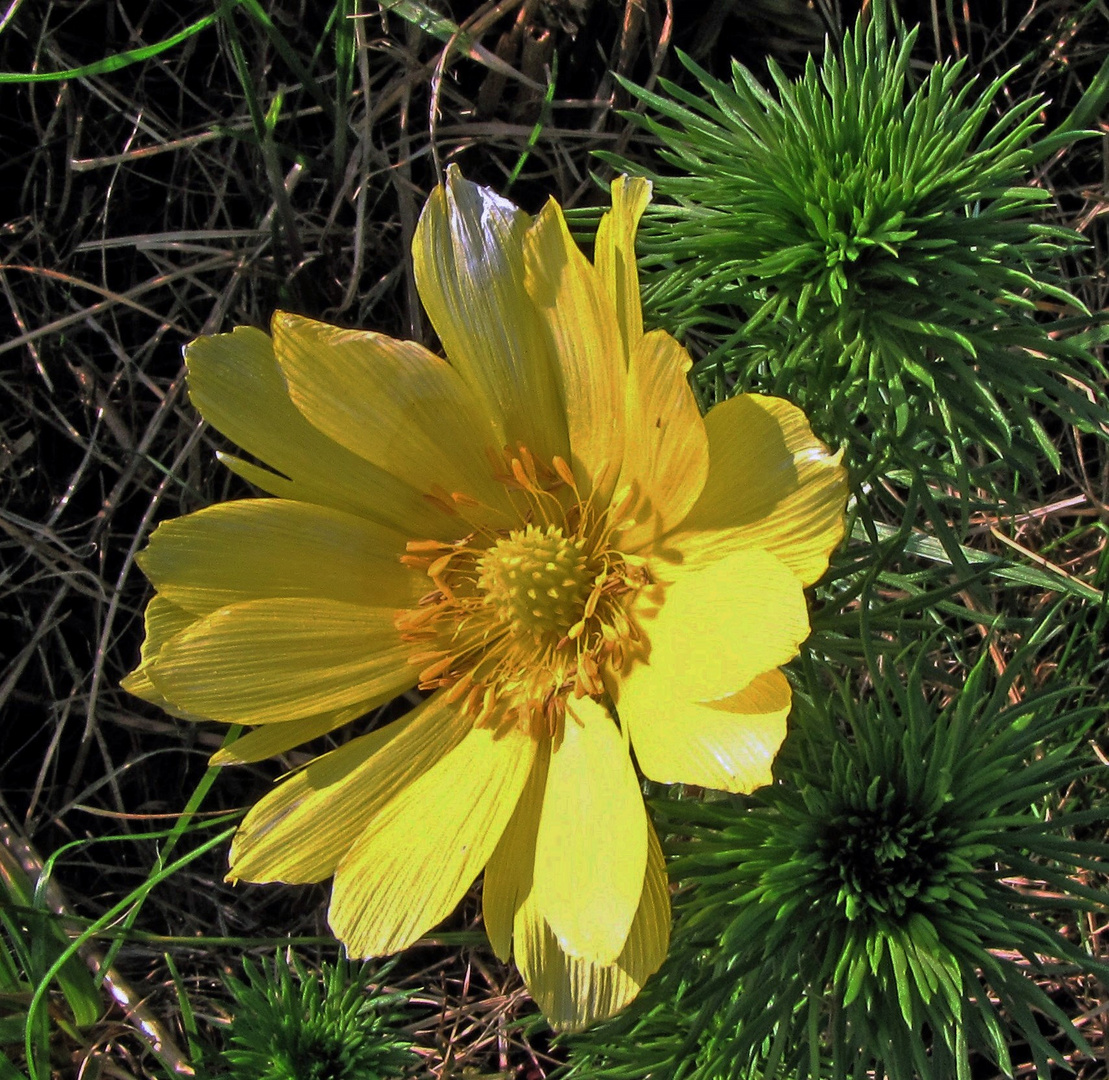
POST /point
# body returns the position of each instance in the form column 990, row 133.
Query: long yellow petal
column 592, row 842
column 393, row 403
column 416, row 858
column 469, row 264
column 771, row 484
column 666, row 452
column 728, row 744
column 720, row 625
column 574, row 993
column 258, row 548
column 269, row 740
column 265, row 661
column 508, row 874
column 614, row 254
column 236, row 384
column 583, row 333
column 164, row 620
column 301, row 829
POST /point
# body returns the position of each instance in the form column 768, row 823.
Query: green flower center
column 536, row 581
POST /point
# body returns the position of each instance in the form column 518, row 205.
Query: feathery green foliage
column 290, row 1024
column 869, row 248
column 866, row 913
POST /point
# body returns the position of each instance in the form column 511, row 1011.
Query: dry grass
column 147, row 205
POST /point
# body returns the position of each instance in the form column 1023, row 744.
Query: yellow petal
column 614, row 254
column 416, row 858
column 592, row 842
column 771, row 484
column 304, row 826
column 571, row 991
column 469, row 263
column 584, row 335
column 236, row 384
column 666, row 453
column 728, row 744
column 508, row 874
column 257, row 548
column 265, row 661
column 269, row 740
column 574, row 993
column 719, row 625
column 392, row 403
column 163, row 620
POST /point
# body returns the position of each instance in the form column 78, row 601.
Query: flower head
column 542, row 533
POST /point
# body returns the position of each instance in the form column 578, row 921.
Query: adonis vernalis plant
column 885, row 909
column 869, row 247
column 543, row 534
column 291, row 1024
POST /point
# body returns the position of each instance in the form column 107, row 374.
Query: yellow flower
column 544, row 533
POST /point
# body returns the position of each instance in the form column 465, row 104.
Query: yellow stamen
column 523, row 617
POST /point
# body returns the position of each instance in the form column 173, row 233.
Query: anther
column 591, row 603
column 424, row 657
column 460, row 688
column 435, row 570
column 427, row 545
column 529, row 465
column 565, row 474
column 621, row 501
column 488, row 701
column 520, row 475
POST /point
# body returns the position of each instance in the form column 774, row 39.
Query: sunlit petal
column 301, row 829
column 469, row 263
column 581, row 328
column 666, row 453
column 574, row 992
column 393, row 403
column 614, row 254
column 269, row 740
column 237, row 386
column 728, row 744
column 163, row 620
column 269, row 548
column 719, row 626
column 772, row 484
column 263, row 661
column 591, row 846
column 509, row 872
column 411, row 864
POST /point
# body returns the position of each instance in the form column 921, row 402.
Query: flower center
column 536, row 582
column 520, row 617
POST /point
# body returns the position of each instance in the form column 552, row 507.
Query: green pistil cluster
column 537, row 581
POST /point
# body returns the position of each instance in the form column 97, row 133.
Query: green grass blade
column 114, row 62
column 48, row 941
